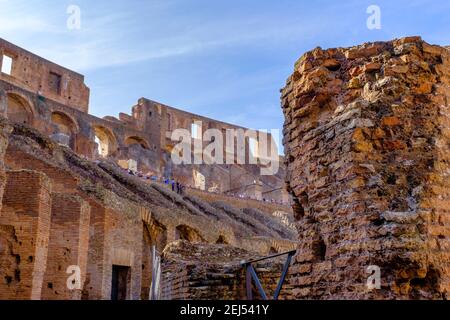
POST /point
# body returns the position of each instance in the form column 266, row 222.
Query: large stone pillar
column 367, row 139
column 24, row 234
column 68, row 248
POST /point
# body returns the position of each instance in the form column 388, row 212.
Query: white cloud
column 108, row 38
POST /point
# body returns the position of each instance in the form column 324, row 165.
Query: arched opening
column 147, row 264
column 158, row 234
column 137, row 141
column 19, row 110
column 63, row 123
column 65, row 129
column 221, row 240
column 184, row 232
column 106, row 142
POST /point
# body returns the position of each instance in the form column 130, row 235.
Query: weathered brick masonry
column 25, row 230
column 68, row 205
column 60, row 210
column 69, row 240
column 367, row 138
column 55, row 101
column 201, row 272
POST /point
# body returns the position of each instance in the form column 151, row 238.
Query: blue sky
column 222, row 59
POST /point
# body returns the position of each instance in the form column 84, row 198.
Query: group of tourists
column 174, row 185
column 180, row 188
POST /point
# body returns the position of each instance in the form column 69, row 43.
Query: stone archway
column 18, row 109
column 184, row 232
column 134, row 140
column 65, row 129
column 147, row 263
column 105, row 140
column 154, row 238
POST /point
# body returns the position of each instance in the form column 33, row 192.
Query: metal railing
column 251, row 275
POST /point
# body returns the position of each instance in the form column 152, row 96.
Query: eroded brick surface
column 60, row 210
column 25, row 224
column 55, row 101
column 204, row 272
column 366, row 137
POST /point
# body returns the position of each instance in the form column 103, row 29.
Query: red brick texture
column 26, row 216
column 366, row 137
column 69, row 240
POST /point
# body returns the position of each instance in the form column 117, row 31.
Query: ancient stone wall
column 367, row 137
column 69, row 207
column 85, row 232
column 25, row 225
column 68, row 247
column 214, row 272
column 55, row 101
column 221, row 178
column 44, row 77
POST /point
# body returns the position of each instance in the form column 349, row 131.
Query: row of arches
column 19, row 109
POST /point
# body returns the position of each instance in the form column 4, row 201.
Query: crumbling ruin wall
column 68, row 203
column 55, row 101
column 214, row 272
column 45, row 77
column 62, row 211
column 24, row 235
column 367, row 138
column 68, row 247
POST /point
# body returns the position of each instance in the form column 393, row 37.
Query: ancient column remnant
column 367, row 139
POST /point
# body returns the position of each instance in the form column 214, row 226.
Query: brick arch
column 64, row 121
column 222, row 240
column 148, row 243
column 190, row 234
column 19, row 108
column 106, row 140
column 131, row 140
column 65, row 128
column 273, row 250
column 158, row 234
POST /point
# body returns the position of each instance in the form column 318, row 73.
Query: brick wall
column 366, row 138
column 62, row 180
column 38, row 74
column 116, row 238
column 93, row 285
column 213, row 272
column 25, row 221
column 68, row 246
column 5, row 129
column 238, row 202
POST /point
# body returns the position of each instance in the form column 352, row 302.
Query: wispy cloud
column 112, row 38
column 226, row 59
